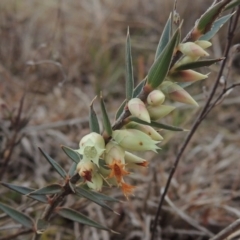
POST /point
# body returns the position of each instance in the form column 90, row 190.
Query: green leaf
column 139, row 87
column 25, row 191
column 129, row 69
column 78, row 217
column 120, row 109
column 215, row 28
column 165, row 37
column 106, row 121
column 93, row 120
column 90, row 196
column 54, row 164
column 104, row 197
column 160, row 67
column 50, row 189
column 232, row 4
column 71, row 153
column 41, row 225
column 204, row 24
column 158, row 125
column 198, row 64
column 22, row 218
column 72, row 169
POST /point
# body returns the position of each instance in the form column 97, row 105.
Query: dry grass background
column 61, row 53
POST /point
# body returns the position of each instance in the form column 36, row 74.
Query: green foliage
column 72, row 154
column 106, row 121
column 93, row 120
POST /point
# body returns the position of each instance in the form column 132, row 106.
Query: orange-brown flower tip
column 87, row 175
column 117, row 170
column 127, row 189
column 143, row 164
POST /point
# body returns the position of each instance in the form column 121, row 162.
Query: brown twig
column 200, row 118
column 227, row 231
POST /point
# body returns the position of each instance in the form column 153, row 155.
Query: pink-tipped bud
column 192, row 49
column 134, row 140
column 176, row 93
column 186, row 76
column 138, row 109
column 158, row 112
column 146, row 129
column 156, row 97
column 86, row 170
column 203, row 44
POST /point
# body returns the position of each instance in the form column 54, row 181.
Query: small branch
column 232, row 27
column 227, row 231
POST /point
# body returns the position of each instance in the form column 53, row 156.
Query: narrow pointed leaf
column 25, row 191
column 232, row 4
column 198, row 64
column 71, row 153
column 215, row 28
column 165, row 37
column 50, row 189
column 106, row 121
column 160, row 67
column 72, row 169
column 90, row 196
column 41, row 226
column 22, row 218
column 104, row 197
column 54, row 164
column 206, row 21
column 139, row 87
column 78, row 217
column 158, row 125
column 93, row 120
column 129, row 69
column 120, row 109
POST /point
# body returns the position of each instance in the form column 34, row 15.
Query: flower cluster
column 109, row 161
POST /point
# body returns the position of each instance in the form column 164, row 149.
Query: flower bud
column 176, row 93
column 85, row 169
column 158, row 112
column 203, row 44
column 156, row 97
column 186, row 76
column 92, row 147
column 132, row 161
column 114, row 152
column 138, row 109
column 96, row 183
column 134, row 140
column 151, row 132
column 192, row 49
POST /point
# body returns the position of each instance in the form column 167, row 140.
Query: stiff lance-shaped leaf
column 198, row 64
column 120, row 109
column 139, row 87
column 88, row 194
column 204, row 24
column 50, row 189
column 106, row 121
column 93, row 120
column 158, row 125
column 78, row 217
column 22, row 218
column 160, row 67
column 232, row 4
column 129, row 69
column 41, row 226
column 54, row 164
column 104, row 197
column 165, row 37
column 25, row 191
column 72, row 169
column 71, row 153
column 215, row 28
